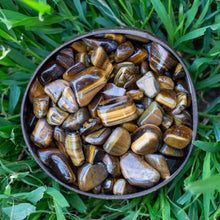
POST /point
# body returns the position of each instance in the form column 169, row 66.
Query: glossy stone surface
column 36, row 89
column 169, row 151
column 97, row 189
column 119, row 38
column 118, row 142
column 56, row 116
column 67, row 101
column 111, row 90
column 167, row 98
column 135, row 94
column 98, row 137
column 45, row 153
column 124, row 51
column 94, row 154
column 184, row 118
column 167, row 121
column 108, row 45
column 158, row 162
column 161, row 60
column 107, row 185
column 139, row 109
column 144, row 67
column 146, row 139
column 138, row 56
column 181, row 103
column 74, row 121
column 65, row 58
column 137, row 171
column 61, row 168
column 146, row 101
column 90, row 176
column 42, row 134
column 116, row 110
column 98, row 57
column 40, row 105
column 181, row 86
column 152, row 115
column 51, row 73
column 178, row 136
column 179, row 72
column 54, row 89
column 108, row 67
column 83, row 57
column 79, row 46
column 149, row 85
column 93, row 105
column 112, row 165
column 73, row 70
column 90, row 125
column 31, row 120
column 122, row 187
column 74, row 149
column 87, row 84
column 129, row 126
column 166, row 82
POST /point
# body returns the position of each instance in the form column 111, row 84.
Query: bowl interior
column 27, row 107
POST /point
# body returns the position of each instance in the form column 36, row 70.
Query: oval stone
column 137, row 171
column 124, row 51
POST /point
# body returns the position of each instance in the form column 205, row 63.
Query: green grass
column 30, row 29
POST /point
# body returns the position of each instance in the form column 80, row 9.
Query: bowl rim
column 115, row 30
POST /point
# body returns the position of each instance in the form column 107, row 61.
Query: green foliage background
column 30, row 30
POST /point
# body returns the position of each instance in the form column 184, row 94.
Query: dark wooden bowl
column 26, row 107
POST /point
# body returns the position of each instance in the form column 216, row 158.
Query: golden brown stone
column 124, row 51
column 122, row 187
column 112, row 165
column 167, row 98
column 118, row 142
column 178, row 136
column 94, row 154
column 181, row 103
column 137, row 38
column 79, row 46
column 65, row 58
column 90, row 125
column 146, row 139
column 129, row 126
column 36, row 89
column 166, row 82
column 138, row 56
column 82, row 57
column 167, row 121
column 119, row 38
column 98, row 57
column 144, row 68
column 111, row 90
column 45, row 153
column 94, row 104
column 107, row 186
column 183, row 118
column 179, row 72
column 169, row 151
column 137, row 171
column 135, row 94
column 139, row 109
column 146, row 101
column 56, row 116
column 40, row 105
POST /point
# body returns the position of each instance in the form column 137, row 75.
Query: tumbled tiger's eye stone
column 111, row 90
column 119, row 38
column 98, row 137
column 118, row 142
column 161, row 60
column 178, row 136
column 139, row 109
column 94, row 154
column 135, row 94
column 98, row 57
column 112, row 165
column 56, row 116
column 144, row 68
column 79, row 46
column 90, row 125
column 45, row 153
column 31, row 120
column 125, row 76
column 124, row 51
column 40, row 105
column 158, row 162
column 94, row 104
column 146, row 139
column 55, row 89
column 179, row 72
column 65, row 58
column 169, row 151
column 146, row 101
column 137, row 38
column 181, row 103
column 108, row 45
column 122, row 187
column 52, row 73
column 138, row 56
column 67, row 101
column 138, row 172
column 90, row 176
column 129, row 126
column 167, row 121
column 87, row 84
column 149, row 84
column 97, row 189
column 108, row 67
column 167, row 98
column 152, row 115
column 74, row 121
column 74, row 149
column 118, row 66
column 36, row 89
column 42, row 134
column 166, row 82
column 181, row 86
column 61, row 168
column 183, row 118
column 82, row 57
column 117, row 110
column 73, row 70
column 59, row 137
column 107, row 185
